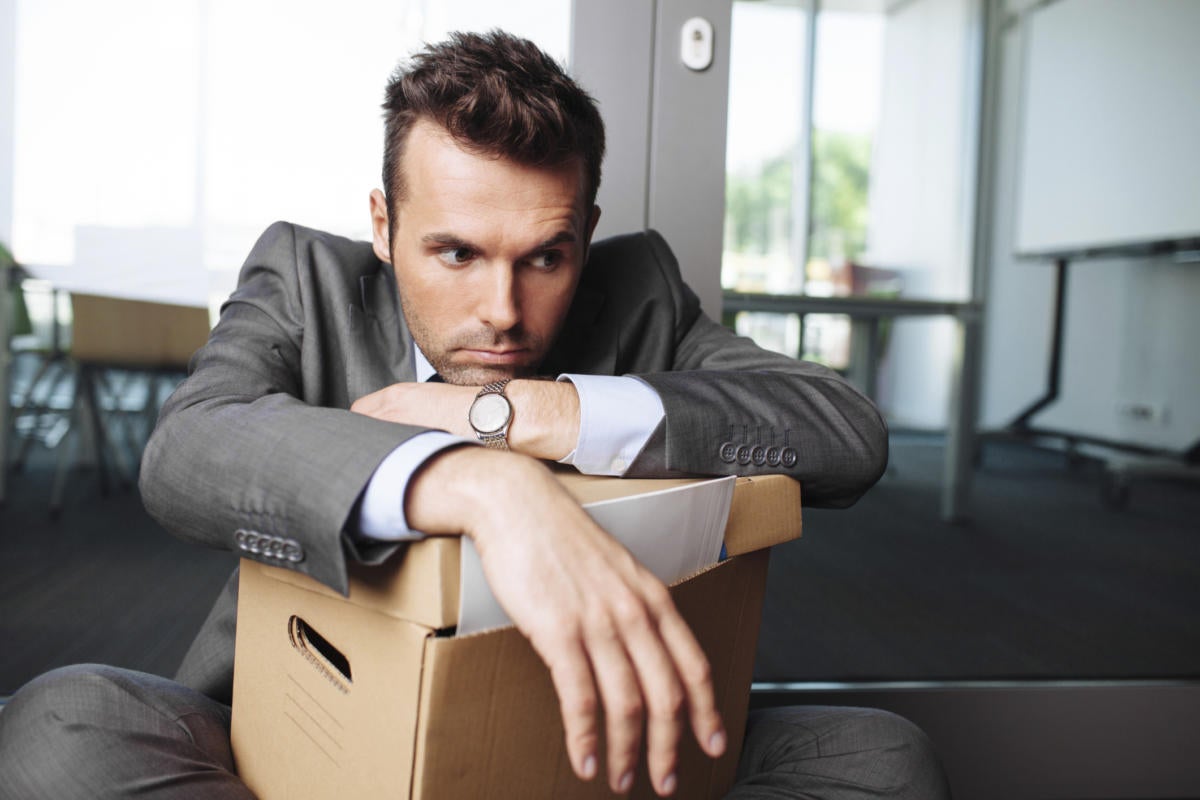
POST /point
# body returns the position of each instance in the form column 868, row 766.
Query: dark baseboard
column 1019, row 740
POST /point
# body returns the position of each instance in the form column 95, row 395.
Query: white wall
column 1132, row 331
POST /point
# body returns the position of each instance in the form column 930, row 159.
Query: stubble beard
column 439, row 353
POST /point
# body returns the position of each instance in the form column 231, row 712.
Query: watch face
column 490, row 413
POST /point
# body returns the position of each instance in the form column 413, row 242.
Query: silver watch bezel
column 491, row 403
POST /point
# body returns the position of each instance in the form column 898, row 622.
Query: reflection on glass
column 846, row 93
column 778, row 332
column 873, row 202
column 766, row 89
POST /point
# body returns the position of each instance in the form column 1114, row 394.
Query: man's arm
column 733, row 408
column 604, row 625
column 545, row 420
column 244, row 444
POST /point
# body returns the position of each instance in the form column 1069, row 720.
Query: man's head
column 492, row 162
column 496, row 95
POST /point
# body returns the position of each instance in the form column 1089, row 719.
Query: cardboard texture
column 368, row 696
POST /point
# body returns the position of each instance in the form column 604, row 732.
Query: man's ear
column 381, row 230
column 591, row 229
column 592, row 223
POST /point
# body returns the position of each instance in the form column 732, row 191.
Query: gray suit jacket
column 257, row 452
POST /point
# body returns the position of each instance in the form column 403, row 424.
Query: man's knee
column 39, row 726
column 881, row 753
column 56, row 699
column 79, row 727
column 904, row 752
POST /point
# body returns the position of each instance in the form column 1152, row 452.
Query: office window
column 155, row 141
column 853, row 180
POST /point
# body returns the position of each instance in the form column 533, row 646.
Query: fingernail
column 668, row 784
column 589, row 768
column 626, row 782
column 716, row 743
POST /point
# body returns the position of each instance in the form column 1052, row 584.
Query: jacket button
column 728, row 452
column 743, row 454
column 773, row 456
column 292, row 551
column 758, row 455
column 789, row 457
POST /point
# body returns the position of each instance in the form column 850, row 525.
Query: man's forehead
column 433, row 159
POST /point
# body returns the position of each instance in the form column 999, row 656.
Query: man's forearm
column 545, row 421
column 546, row 418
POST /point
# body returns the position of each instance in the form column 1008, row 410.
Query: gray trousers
column 92, row 732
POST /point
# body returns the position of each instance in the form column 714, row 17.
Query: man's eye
column 456, row 256
column 547, row 260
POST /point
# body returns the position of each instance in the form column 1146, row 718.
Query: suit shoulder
column 642, row 265
column 643, row 256
column 315, row 250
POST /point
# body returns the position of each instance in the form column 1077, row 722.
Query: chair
column 40, row 411
column 147, row 341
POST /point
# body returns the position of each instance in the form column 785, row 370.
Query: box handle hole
column 319, row 652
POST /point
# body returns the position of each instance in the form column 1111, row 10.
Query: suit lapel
column 381, row 351
column 584, row 346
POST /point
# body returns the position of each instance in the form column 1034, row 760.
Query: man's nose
column 498, row 306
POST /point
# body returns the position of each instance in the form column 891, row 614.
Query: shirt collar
column 424, row 369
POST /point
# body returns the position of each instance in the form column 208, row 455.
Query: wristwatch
column 490, row 415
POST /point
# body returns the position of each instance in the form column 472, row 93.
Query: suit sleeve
column 244, row 453
column 735, row 408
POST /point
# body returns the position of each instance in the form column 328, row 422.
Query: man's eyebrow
column 447, row 240
column 562, row 237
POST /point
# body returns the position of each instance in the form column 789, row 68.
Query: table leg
column 960, row 432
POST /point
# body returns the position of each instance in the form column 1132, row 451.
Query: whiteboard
column 1110, row 130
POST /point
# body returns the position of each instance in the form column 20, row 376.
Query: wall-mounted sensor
column 696, row 44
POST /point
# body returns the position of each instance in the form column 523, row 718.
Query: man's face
column 487, row 255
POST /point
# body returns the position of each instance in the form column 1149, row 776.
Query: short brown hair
column 495, row 94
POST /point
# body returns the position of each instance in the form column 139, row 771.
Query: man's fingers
column 696, row 675
column 664, row 697
column 621, row 694
column 572, row 677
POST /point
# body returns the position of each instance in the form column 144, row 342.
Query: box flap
column 425, row 593
column 765, row 512
column 420, row 583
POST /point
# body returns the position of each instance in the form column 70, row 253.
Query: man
column 307, row 434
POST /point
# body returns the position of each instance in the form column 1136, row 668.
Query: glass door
column 849, row 175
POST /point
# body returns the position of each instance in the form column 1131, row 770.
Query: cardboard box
column 371, row 696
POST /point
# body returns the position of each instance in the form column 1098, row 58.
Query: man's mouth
column 497, row 357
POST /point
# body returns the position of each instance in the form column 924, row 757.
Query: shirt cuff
column 617, row 415
column 381, row 513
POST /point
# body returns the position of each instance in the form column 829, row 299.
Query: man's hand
column 545, row 413
column 603, row 624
